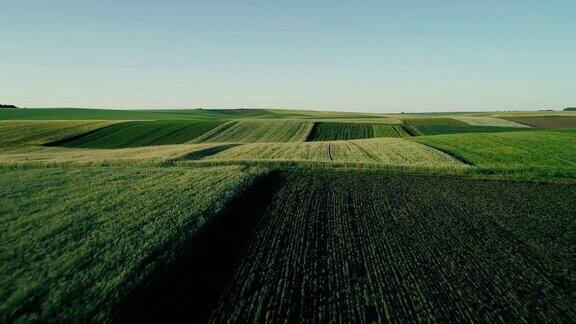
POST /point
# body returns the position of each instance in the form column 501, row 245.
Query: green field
column 384, row 151
column 458, row 125
column 250, row 131
column 263, row 215
column 333, row 131
column 553, row 151
column 15, row 134
column 111, row 229
column 140, row 133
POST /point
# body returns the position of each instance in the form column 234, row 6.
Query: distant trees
column 570, row 109
column 7, row 106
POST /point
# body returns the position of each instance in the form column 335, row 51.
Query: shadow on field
column 189, row 290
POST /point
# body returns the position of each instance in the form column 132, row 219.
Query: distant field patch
column 439, row 126
column 553, row 149
column 140, row 133
column 250, row 131
column 14, row 134
column 332, row 131
column 490, row 121
column 381, row 150
column 546, row 121
column 434, row 121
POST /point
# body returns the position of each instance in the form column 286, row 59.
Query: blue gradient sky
column 379, row 56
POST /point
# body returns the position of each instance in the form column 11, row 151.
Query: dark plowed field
column 356, row 247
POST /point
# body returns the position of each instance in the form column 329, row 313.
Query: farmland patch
column 249, row 131
column 332, row 131
column 439, row 126
column 546, row 121
column 490, row 121
column 381, row 150
column 359, row 247
column 111, row 231
column 18, row 134
column 140, row 133
column 548, row 150
column 46, row 156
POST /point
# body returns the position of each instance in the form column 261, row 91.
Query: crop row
column 372, row 247
column 18, row 134
column 140, row 133
column 440, row 125
column 332, row 131
column 258, row 131
column 381, row 150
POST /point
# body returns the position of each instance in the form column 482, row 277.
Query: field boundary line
column 62, row 141
column 453, row 154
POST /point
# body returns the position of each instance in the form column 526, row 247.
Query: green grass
column 76, row 241
column 548, row 150
column 376, row 151
column 140, row 133
column 17, row 134
column 332, row 131
column 373, row 247
column 249, row 131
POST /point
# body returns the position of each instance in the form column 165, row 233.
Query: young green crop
column 369, row 247
column 381, row 151
column 456, row 125
column 76, row 241
column 332, row 131
column 47, row 156
column 18, row 134
column 249, row 131
column 552, row 149
column 140, row 133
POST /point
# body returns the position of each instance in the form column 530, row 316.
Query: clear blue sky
column 379, row 56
